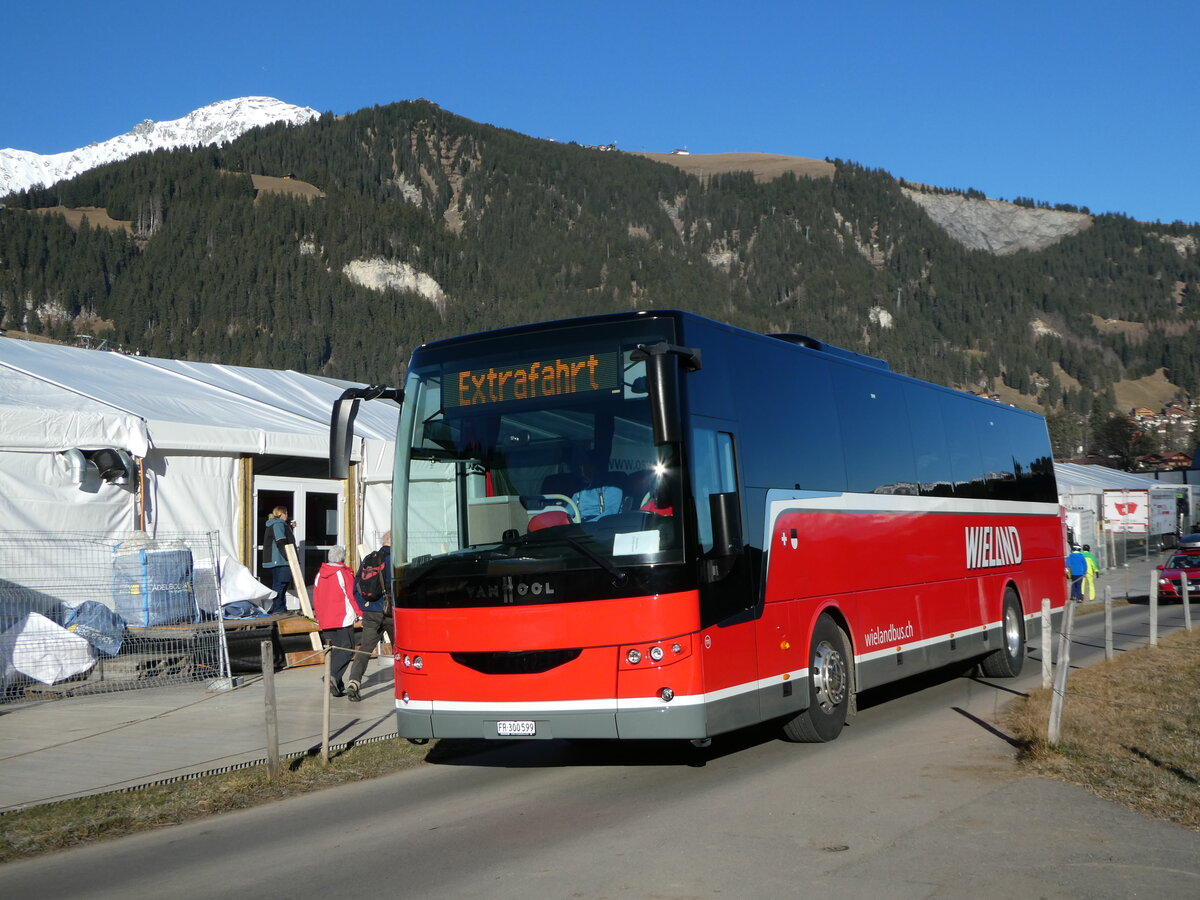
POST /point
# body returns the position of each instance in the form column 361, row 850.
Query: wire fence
column 1171, row 659
column 1132, row 735
column 85, row 613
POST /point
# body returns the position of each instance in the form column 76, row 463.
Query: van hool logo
column 990, row 546
column 508, row 590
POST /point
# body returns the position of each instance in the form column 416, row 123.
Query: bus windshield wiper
column 619, row 577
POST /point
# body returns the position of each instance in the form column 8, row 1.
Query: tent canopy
column 55, row 398
column 1073, row 475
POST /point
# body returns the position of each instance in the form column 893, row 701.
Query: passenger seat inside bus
column 556, row 484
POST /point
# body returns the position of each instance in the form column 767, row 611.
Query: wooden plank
column 296, row 625
column 304, row 658
column 302, row 590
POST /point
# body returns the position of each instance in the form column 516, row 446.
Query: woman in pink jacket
column 336, row 612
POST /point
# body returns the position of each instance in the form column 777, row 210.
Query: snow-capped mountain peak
column 217, row 123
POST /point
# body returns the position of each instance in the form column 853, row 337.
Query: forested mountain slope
column 406, row 223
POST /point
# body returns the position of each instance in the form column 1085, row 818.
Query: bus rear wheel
column 829, row 687
column 1009, row 659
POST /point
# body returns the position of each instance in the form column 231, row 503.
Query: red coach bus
column 653, row 525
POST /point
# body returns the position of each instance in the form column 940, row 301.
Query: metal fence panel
column 85, row 613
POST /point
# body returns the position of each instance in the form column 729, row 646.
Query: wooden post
column 1154, row 609
column 325, row 716
column 302, row 590
column 1108, row 636
column 1047, row 641
column 274, row 768
column 1062, row 667
column 1187, row 602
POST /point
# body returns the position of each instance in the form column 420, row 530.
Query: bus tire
column 829, row 687
column 1008, row 660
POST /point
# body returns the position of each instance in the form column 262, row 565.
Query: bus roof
column 798, row 340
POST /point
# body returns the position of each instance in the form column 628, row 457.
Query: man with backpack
column 373, row 591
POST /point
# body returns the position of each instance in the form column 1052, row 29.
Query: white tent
column 1081, row 491
column 189, row 430
column 1073, row 475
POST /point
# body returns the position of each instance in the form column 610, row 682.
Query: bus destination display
column 530, row 380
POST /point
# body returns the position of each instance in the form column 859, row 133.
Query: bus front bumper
column 632, row 722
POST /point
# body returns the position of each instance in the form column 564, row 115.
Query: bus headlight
column 656, row 653
column 418, row 663
column 634, row 656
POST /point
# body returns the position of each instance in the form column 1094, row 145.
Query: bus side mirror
column 662, row 385
column 341, row 423
column 341, row 429
column 726, row 517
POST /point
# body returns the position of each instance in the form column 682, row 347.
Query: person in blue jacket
column 595, row 499
column 376, row 621
column 1077, row 570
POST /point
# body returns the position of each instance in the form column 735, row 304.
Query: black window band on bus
column 841, row 427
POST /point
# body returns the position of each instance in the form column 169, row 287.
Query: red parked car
column 1171, row 575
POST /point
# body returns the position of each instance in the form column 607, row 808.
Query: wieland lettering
column 992, row 546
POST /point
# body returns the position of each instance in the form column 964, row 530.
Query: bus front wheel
column 1008, row 660
column 828, row 687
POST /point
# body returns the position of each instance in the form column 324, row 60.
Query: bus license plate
column 512, row 729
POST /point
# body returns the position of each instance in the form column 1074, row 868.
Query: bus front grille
column 528, row 662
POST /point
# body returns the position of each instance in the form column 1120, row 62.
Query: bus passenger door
column 728, row 605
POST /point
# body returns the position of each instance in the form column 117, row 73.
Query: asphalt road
column 919, row 797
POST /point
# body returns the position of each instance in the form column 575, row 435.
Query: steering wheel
column 569, row 505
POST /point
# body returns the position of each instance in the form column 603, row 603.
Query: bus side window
column 713, row 473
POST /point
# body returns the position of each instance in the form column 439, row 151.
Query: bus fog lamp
column 656, row 654
column 633, row 657
column 666, row 695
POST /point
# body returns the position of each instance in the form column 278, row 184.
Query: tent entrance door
column 316, row 507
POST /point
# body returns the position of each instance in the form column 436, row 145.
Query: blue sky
column 1089, row 103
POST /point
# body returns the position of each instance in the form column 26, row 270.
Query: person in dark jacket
column 276, row 536
column 376, row 623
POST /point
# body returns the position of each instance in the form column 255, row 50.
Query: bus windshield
column 531, row 457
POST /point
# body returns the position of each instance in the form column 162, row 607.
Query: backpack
column 598, row 501
column 371, row 578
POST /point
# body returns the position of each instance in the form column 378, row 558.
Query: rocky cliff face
column 998, row 227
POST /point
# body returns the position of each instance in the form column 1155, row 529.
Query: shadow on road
column 550, row 753
column 914, row 685
column 542, row 754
